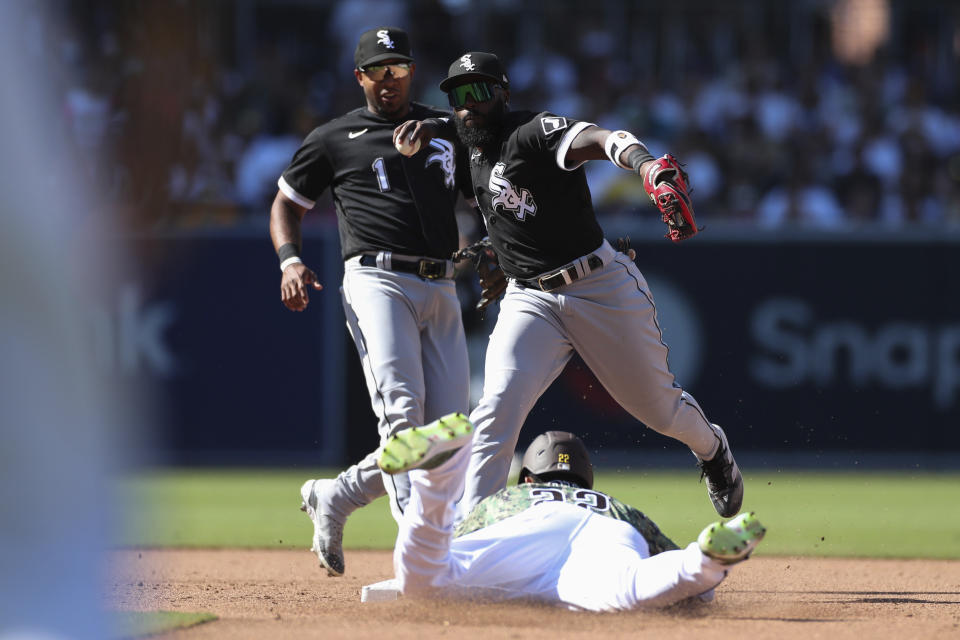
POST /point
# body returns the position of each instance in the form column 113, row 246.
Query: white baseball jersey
column 567, row 550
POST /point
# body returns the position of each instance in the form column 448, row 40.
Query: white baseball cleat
column 427, row 446
column 327, row 530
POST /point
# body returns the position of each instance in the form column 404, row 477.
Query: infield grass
column 807, row 513
column 141, row 624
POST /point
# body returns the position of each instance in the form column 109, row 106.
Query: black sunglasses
column 378, row 72
column 480, row 91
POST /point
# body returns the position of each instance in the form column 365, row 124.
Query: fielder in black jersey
column 384, row 201
column 569, row 289
column 537, row 217
column 397, row 233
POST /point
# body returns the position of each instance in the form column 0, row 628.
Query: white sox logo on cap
column 467, row 63
column 384, row 38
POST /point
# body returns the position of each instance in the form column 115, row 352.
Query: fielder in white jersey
column 569, row 290
column 551, row 538
column 397, row 228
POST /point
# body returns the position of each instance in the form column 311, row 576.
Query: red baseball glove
column 668, row 187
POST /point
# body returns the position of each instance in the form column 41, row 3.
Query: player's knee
column 499, row 411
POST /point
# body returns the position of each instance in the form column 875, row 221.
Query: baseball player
column 551, row 538
column 397, row 233
column 569, row 290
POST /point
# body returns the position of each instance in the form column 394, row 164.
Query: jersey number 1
column 380, row 169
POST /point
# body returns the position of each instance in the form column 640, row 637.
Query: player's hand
column 294, row 284
column 414, row 134
column 623, row 246
column 493, row 283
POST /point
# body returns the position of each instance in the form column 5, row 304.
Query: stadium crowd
column 784, row 113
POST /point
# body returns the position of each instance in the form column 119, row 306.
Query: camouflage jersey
column 513, row 500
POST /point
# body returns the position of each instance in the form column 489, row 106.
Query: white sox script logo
column 445, row 158
column 521, row 203
column 384, row 39
column 467, row 63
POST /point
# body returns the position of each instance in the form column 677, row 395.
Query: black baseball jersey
column 539, row 216
column 384, row 200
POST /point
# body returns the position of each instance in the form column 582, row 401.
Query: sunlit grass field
column 821, row 514
column 137, row 624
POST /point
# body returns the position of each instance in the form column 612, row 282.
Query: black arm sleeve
column 444, row 127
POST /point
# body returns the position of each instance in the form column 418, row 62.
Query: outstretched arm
column 285, row 219
column 663, row 179
column 413, row 134
column 625, row 150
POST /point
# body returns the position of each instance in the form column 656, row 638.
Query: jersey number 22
column 583, row 498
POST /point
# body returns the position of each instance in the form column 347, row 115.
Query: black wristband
column 288, row 250
column 637, row 157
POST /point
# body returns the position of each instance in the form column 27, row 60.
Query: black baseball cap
column 475, row 65
column 382, row 43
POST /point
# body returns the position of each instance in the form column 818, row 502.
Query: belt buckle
column 431, row 270
column 544, row 287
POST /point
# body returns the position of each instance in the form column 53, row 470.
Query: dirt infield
column 283, row 594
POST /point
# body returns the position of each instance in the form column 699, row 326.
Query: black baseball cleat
column 724, row 482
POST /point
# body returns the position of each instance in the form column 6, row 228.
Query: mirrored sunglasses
column 378, row 72
column 479, row 91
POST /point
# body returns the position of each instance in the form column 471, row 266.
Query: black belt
column 556, row 279
column 425, row 268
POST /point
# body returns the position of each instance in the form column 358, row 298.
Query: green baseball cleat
column 427, row 446
column 733, row 541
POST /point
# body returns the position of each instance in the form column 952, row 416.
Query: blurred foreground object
column 860, row 27
column 58, row 419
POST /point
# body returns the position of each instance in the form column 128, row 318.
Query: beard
column 487, row 134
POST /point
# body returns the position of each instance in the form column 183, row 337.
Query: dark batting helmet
column 558, row 455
